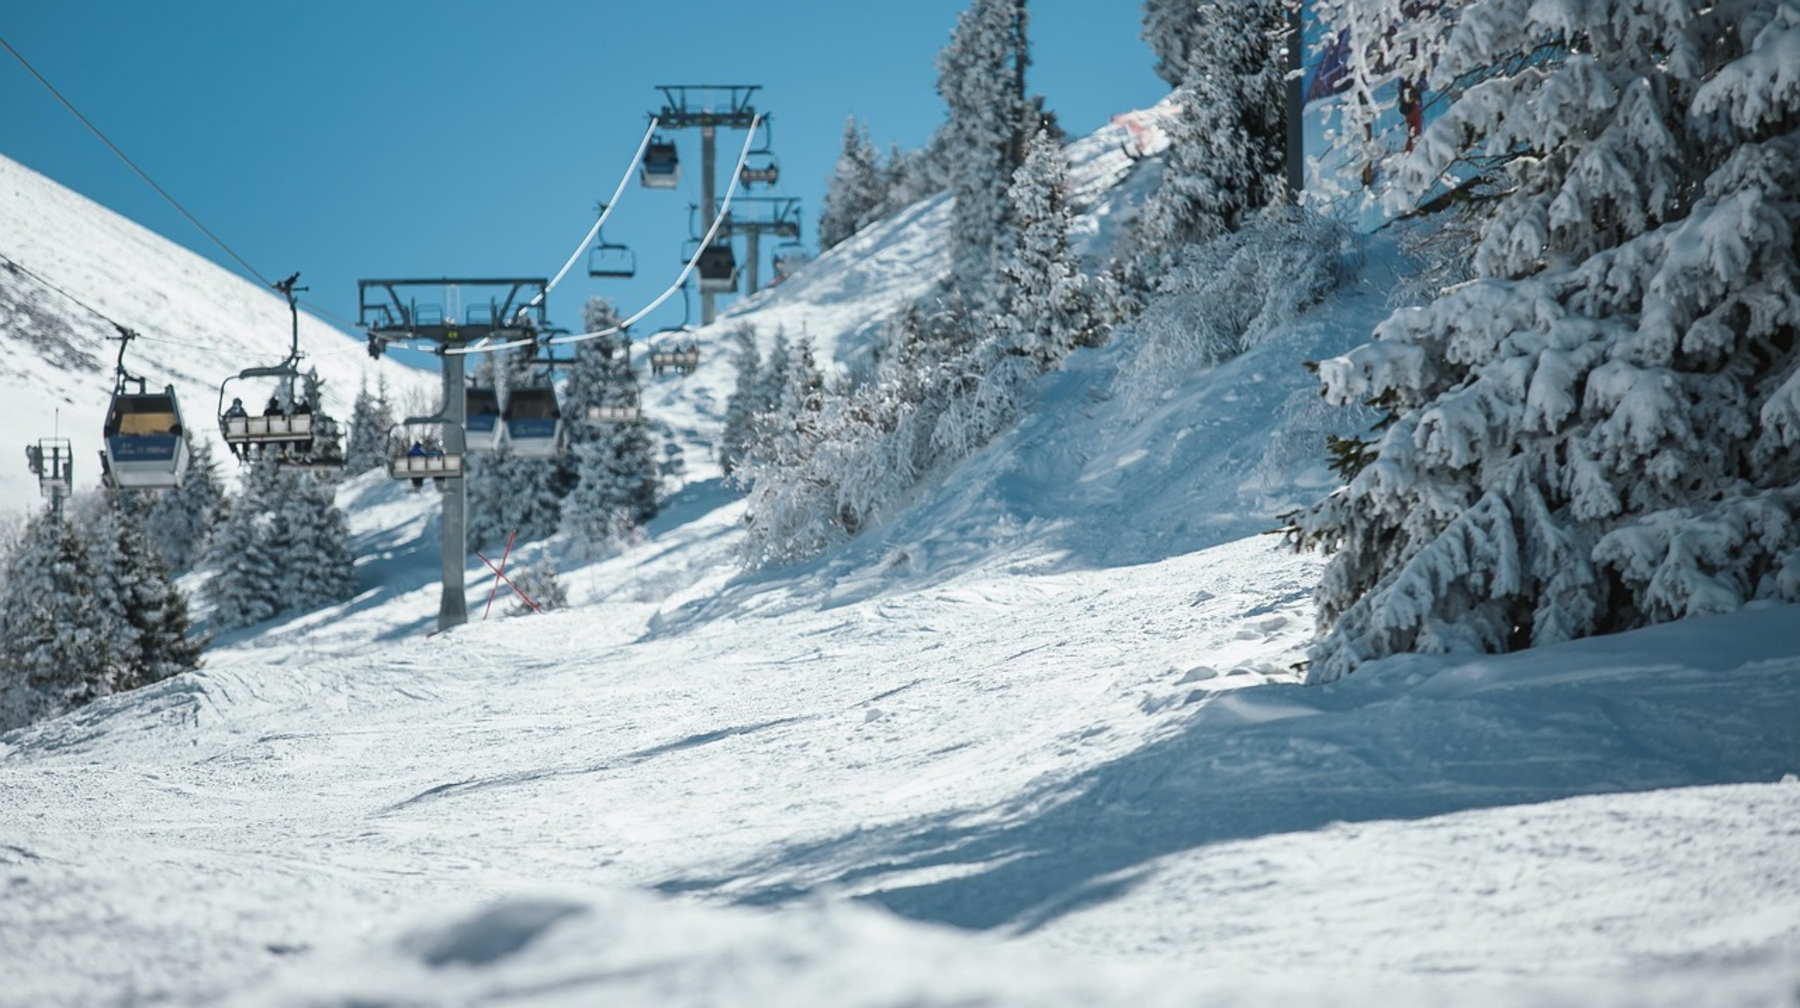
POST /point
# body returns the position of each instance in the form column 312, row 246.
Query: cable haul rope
column 686, row 271
column 606, row 210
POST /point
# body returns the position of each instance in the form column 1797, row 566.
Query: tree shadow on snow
column 1289, row 759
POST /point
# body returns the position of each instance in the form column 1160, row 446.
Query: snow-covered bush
column 828, row 463
column 1230, row 294
column 1603, row 430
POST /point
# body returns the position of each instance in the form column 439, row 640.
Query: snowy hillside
column 1037, row 740
column 199, row 325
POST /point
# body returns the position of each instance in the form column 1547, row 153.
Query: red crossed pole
column 500, row 575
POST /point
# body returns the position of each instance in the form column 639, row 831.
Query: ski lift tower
column 392, row 314
column 707, row 107
column 52, row 461
column 783, row 221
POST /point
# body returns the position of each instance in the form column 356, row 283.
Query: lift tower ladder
column 391, row 313
column 708, row 108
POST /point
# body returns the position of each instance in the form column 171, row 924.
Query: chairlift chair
column 610, row 260
column 481, row 419
column 286, row 433
column 661, row 166
column 761, row 167
column 760, row 173
column 534, row 426
column 418, row 463
column 622, row 404
column 675, row 357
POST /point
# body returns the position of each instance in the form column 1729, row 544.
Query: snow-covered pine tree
column 600, row 373
column 1050, row 306
column 509, row 495
column 537, row 580
column 1169, row 30
column 1602, row 431
column 244, row 589
column 981, row 76
column 58, row 651
column 371, row 417
column 148, row 615
column 613, row 466
column 774, row 372
column 309, row 542
column 745, row 402
column 856, row 189
column 1227, row 149
column 618, row 484
column 789, row 514
column 181, row 520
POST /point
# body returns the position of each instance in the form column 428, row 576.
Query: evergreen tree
column 510, row 495
column 1169, row 29
column 147, row 614
column 614, row 482
column 309, row 541
column 981, row 76
column 58, row 651
column 245, row 586
column 371, row 418
column 600, row 374
column 619, row 483
column 1051, row 307
column 1228, row 148
column 856, row 190
column 181, row 520
column 745, row 402
column 283, row 546
column 537, row 580
column 1602, row 430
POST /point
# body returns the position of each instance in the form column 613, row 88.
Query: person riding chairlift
column 236, row 411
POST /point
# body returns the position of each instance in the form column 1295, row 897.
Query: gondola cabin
column 534, row 423
column 718, row 269
column 661, row 167
column 481, row 419
column 145, row 449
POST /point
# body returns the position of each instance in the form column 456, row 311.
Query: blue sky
column 381, row 139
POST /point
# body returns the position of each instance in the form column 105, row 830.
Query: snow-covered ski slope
column 1035, row 741
column 199, row 325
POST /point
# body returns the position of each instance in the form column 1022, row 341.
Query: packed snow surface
column 1036, row 741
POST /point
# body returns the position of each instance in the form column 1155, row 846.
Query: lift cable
column 606, row 210
column 686, row 271
column 160, row 191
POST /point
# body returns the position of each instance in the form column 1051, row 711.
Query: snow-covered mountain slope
column 199, row 326
column 1035, row 741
